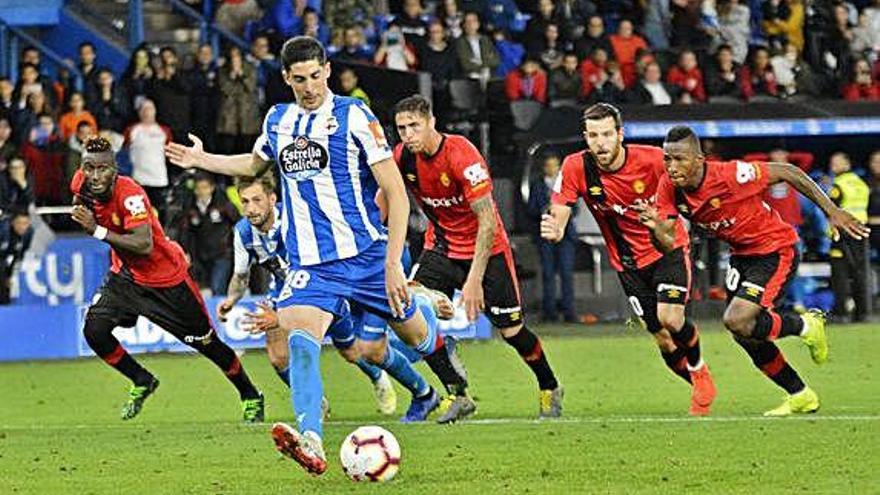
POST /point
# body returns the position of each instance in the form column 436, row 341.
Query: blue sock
column 306, row 387
column 408, row 352
column 432, row 341
column 284, row 375
column 399, row 367
column 372, row 371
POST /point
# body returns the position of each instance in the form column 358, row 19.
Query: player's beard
column 260, row 221
column 612, row 156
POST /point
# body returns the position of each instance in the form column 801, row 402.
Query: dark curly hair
column 97, row 144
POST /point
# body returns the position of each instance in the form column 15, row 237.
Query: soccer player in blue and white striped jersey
column 332, row 157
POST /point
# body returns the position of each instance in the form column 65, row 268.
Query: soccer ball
column 370, row 453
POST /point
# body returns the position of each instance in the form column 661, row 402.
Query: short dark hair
column 168, row 49
column 601, row 111
column 302, row 49
column 681, row 133
column 98, row 144
column 83, row 123
column 204, row 176
column 87, row 44
column 414, row 104
column 267, row 180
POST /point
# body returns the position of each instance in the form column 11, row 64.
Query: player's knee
column 350, row 354
column 509, row 332
column 671, row 319
column 664, row 341
column 738, row 323
column 373, row 352
column 279, row 360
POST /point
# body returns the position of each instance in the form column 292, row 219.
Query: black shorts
column 180, row 309
column 762, row 279
column 500, row 287
column 667, row 280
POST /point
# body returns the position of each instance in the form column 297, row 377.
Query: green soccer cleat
column 551, row 403
column 253, row 410
column 804, row 402
column 814, row 335
column 136, row 397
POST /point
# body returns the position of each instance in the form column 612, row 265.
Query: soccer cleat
column 550, row 403
column 419, row 409
column 459, row 408
column 451, row 345
column 440, row 302
column 804, row 402
column 306, row 449
column 814, row 335
column 136, row 397
column 325, row 409
column 386, row 397
column 703, row 392
column 253, row 410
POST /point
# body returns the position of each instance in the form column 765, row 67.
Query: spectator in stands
column 7, row 146
column 43, row 152
column 688, row 29
column 270, row 83
column 348, row 82
column 239, row 119
column 437, row 57
column 551, row 49
column 205, row 88
column 593, row 38
column 171, row 94
column 593, row 71
column 233, row 15
column 757, row 81
column 30, row 55
column 866, row 40
column 784, row 22
column 16, row 188
column 657, row 23
column 15, row 240
column 874, row 205
column 861, row 85
column 88, row 65
column 501, row 15
column 836, row 50
column 733, row 28
column 572, row 16
column 611, row 88
column 28, row 118
column 145, row 141
column 557, row 259
column 626, row 45
column 76, row 144
column 476, row 53
column 412, row 22
column 342, row 13
column 395, row 51
column 722, row 77
column 510, row 53
column 8, row 107
column 137, row 80
column 452, row 18
column 29, row 82
column 686, row 75
column 537, row 25
column 207, row 235
column 529, row 82
column 354, row 47
column 651, row 90
column 565, row 82
column 76, row 113
column 109, row 104
column 794, row 77
column 311, row 25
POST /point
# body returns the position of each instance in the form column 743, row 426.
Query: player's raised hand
column 262, row 320
column 224, row 308
column 550, row 228
column 845, row 221
column 186, row 156
column 472, row 299
column 397, row 289
column 85, row 218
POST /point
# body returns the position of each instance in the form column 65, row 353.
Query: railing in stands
column 209, row 32
column 10, row 39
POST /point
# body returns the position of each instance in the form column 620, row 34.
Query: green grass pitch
column 625, row 428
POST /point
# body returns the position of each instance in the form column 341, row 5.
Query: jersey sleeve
column 470, row 170
column 241, row 257
column 366, row 129
column 134, row 206
column 747, row 178
column 261, row 146
column 570, row 182
column 398, row 154
column 666, row 198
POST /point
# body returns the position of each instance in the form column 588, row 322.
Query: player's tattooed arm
column 837, row 217
column 472, row 291
column 234, row 292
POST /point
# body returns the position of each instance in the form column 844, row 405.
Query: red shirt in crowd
column 591, row 74
column 856, row 92
column 625, row 51
column 519, row 87
column 690, row 81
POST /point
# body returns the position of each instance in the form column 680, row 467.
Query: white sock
column 697, row 367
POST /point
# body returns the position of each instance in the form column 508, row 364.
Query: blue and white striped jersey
column 327, row 189
column 254, row 247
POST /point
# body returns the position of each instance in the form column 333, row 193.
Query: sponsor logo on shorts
column 752, row 290
column 495, row 310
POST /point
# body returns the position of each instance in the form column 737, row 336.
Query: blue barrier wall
column 69, row 272
column 30, row 12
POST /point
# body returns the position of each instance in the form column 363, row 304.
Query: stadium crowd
column 562, row 52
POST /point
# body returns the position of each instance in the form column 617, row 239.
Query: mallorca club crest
column 302, row 159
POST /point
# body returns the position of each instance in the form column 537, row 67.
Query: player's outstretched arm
column 837, row 217
column 138, row 241
column 554, row 221
column 391, row 183
column 195, row 156
column 238, row 284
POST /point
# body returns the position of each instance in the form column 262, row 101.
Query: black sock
column 99, row 336
column 675, row 361
column 224, row 357
column 441, row 365
column 528, row 346
column 771, row 325
column 284, row 375
column 687, row 338
column 769, row 359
